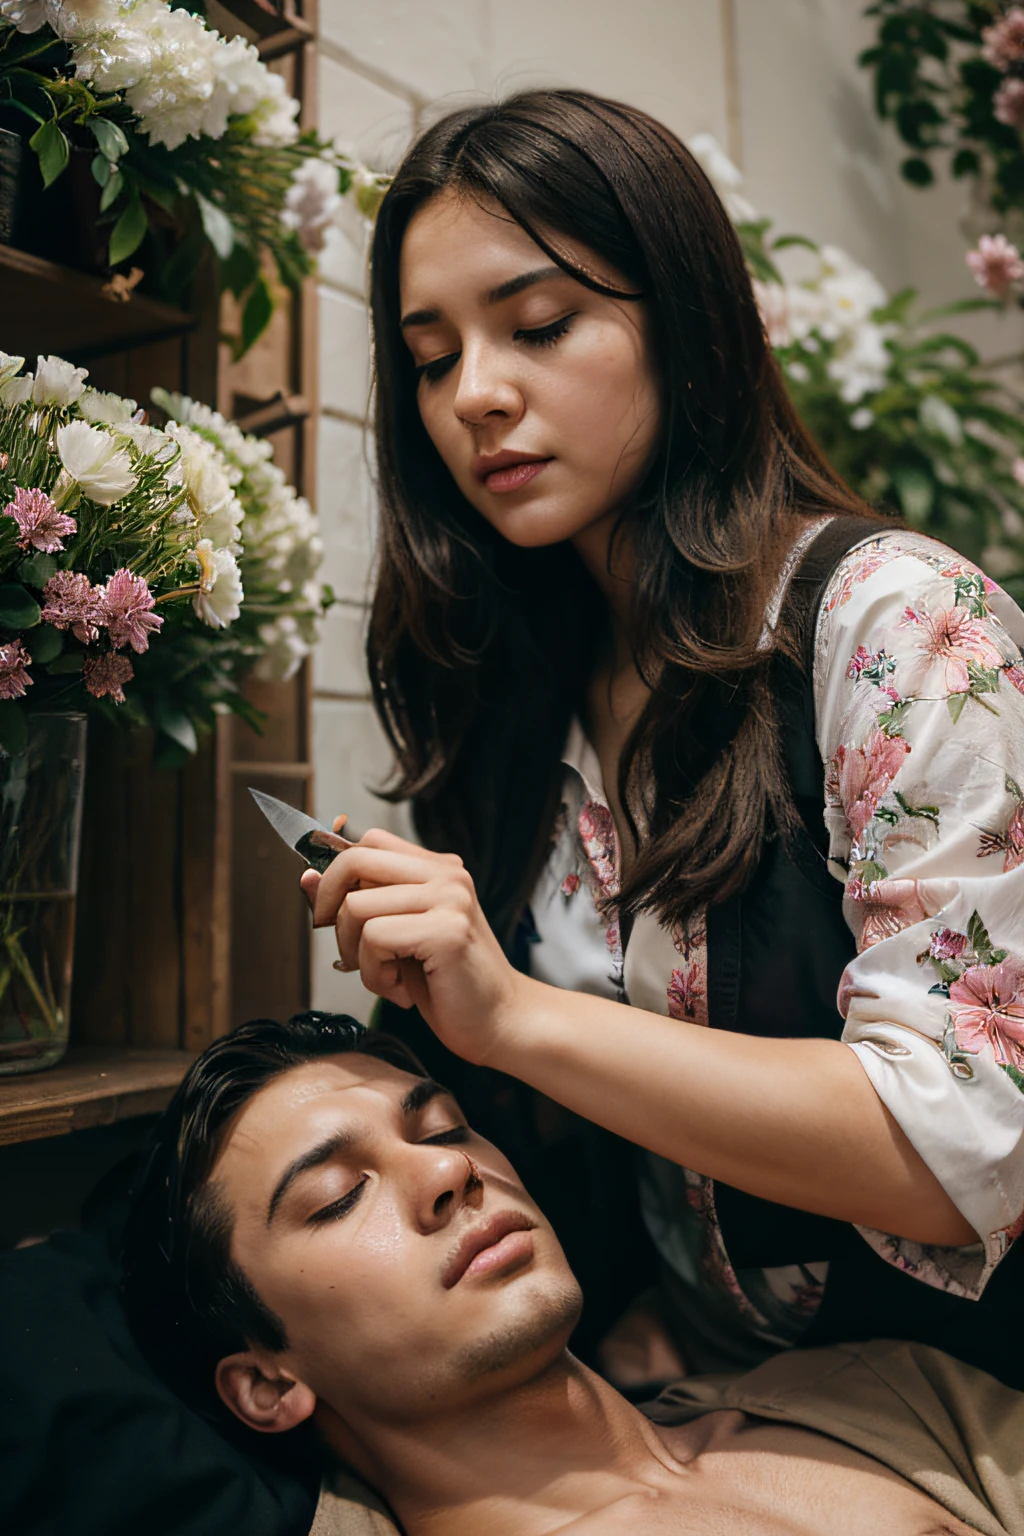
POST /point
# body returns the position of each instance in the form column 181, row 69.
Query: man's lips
column 505, row 470
column 484, row 1247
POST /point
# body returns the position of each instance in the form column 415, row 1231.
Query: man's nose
column 450, row 1181
column 485, row 387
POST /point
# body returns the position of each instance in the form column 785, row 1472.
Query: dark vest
column 775, row 957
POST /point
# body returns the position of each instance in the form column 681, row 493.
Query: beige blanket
column 950, row 1429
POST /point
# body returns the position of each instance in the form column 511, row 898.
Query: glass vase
column 40, row 828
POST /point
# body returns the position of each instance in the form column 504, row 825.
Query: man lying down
column 322, row 1239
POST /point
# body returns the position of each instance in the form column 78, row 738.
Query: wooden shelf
column 48, row 308
column 93, row 1085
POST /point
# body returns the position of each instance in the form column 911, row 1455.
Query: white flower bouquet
column 145, row 570
column 908, row 413
column 195, row 142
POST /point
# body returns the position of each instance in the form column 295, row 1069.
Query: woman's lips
column 514, row 1248
column 514, row 475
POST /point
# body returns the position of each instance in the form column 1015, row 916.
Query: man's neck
column 526, row 1462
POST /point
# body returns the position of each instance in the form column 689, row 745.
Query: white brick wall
column 774, row 80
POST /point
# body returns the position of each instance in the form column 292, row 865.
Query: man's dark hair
column 189, row 1303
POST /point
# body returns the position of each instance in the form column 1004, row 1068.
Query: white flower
column 311, row 203
column 209, row 482
column 150, row 441
column 850, row 293
column 107, row 409
column 862, row 418
column 725, row 177
column 24, row 15
column 862, row 367
column 57, row 382
column 772, row 302
column 218, row 602
column 95, row 462
column 798, row 371
column 16, row 391
column 9, row 366
column 285, row 650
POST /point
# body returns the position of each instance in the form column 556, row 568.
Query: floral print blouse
column 919, row 710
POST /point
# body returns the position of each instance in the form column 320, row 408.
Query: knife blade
column 316, row 844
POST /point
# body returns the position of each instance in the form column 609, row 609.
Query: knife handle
column 321, row 848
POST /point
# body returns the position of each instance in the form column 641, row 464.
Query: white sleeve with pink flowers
column 919, row 693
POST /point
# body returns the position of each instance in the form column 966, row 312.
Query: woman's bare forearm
column 794, row 1121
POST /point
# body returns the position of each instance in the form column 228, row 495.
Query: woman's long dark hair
column 479, row 651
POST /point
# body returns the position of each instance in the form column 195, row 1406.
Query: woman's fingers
column 394, row 949
column 308, row 881
column 359, row 907
column 363, row 864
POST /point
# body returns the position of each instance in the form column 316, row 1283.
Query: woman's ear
column 262, row 1395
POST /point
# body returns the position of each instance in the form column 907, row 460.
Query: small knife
column 316, row 844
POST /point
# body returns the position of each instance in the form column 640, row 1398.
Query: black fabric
column 91, row 1441
column 775, row 958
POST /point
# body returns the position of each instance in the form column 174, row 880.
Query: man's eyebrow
column 424, row 1091
column 493, row 296
column 315, row 1157
column 339, row 1141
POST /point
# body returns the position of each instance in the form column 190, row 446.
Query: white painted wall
column 774, row 80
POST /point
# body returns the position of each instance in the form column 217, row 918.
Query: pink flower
column 1008, row 103
column 1009, row 843
column 886, row 908
column 996, row 264
column 70, row 601
column 1015, row 675
column 40, row 525
column 987, row 1004
column 14, row 663
column 949, row 638
column 125, row 604
column 600, row 840
column 1018, row 473
column 107, row 674
column 865, row 774
column 1003, row 42
column 947, row 944
column 685, row 993
column 570, row 885
column 858, row 661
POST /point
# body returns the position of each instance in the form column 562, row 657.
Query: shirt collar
column 579, row 755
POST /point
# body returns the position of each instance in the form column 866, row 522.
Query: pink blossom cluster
column 40, row 525
column 996, row 264
column 1003, row 42
column 1008, row 102
column 123, row 607
column 947, row 944
column 14, row 662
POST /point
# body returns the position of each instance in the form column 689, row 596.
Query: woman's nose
column 485, row 387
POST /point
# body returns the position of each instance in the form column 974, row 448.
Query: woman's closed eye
column 535, row 336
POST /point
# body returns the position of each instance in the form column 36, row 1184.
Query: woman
column 675, row 708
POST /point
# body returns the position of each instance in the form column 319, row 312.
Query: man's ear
column 261, row 1394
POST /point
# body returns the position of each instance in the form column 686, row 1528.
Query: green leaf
column 177, row 725
column 955, row 704
column 978, row 938
column 785, row 241
column 259, row 307
column 1012, row 787
column 217, row 226
column 37, row 570
column 916, row 491
column 127, row 234
column 917, row 171
column 112, row 191
column 111, row 139
column 13, row 728
column 52, row 149
column 100, row 167
column 45, row 644
column 959, row 307
column 1016, row 1078
column 169, row 754
column 18, row 609
column 966, row 162
column 69, row 662
column 239, row 270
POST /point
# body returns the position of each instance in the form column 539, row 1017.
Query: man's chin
column 526, row 1344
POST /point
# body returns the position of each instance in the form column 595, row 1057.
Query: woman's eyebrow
column 492, row 296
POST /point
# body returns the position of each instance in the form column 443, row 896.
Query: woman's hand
column 409, row 921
